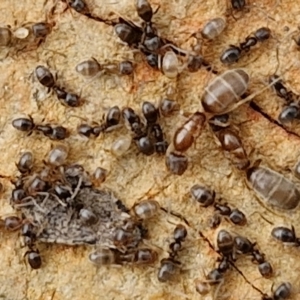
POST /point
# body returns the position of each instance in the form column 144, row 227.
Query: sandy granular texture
column 66, row 272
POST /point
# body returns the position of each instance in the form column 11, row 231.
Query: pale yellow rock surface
column 66, row 272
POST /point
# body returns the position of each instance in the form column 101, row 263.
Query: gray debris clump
column 65, row 207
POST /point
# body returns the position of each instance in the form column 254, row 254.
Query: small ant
column 292, row 110
column 206, row 197
column 112, row 120
column 234, row 53
column 282, row 292
column 45, row 78
column 285, row 235
column 143, row 256
column 51, row 131
column 91, row 68
column 245, row 246
column 25, row 37
column 230, row 142
column 168, row 266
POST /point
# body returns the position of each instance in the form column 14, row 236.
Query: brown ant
column 245, row 246
column 45, row 78
column 292, row 110
column 230, row 142
column 142, row 256
column 78, row 5
column 92, row 68
column 206, row 197
column 51, row 131
column 234, row 53
column 148, row 137
column 282, row 292
column 168, row 266
column 128, row 32
column 285, row 235
column 26, row 37
column 112, row 120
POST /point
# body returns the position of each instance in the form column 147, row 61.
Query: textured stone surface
column 66, row 272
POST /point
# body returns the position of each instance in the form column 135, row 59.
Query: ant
column 45, row 78
column 285, row 235
column 206, row 197
column 91, row 68
column 51, row 131
column 148, row 137
column 234, row 53
column 292, row 110
column 230, row 142
column 282, row 292
column 112, row 120
column 245, row 246
column 168, row 266
column 143, row 256
column 149, row 208
column 216, row 276
column 14, row 223
column 25, row 37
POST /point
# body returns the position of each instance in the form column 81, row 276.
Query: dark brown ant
column 169, row 266
column 161, row 145
column 28, row 234
column 25, row 162
column 238, row 4
column 145, row 144
column 236, row 216
column 112, row 120
column 285, row 235
column 78, row 5
column 150, row 41
column 26, row 37
column 292, row 110
column 66, row 98
column 23, row 124
column 225, row 243
column 128, row 32
column 282, row 292
column 144, row 141
column 17, row 195
column 149, row 208
column 143, row 256
column 203, row 195
column 281, row 90
column 176, row 163
column 85, row 130
column 12, row 223
column 155, row 134
column 34, row 259
column 150, row 112
column 206, row 197
column 45, row 77
column 216, row 276
column 234, row 53
column 51, row 131
column 245, row 246
column 230, row 142
column 133, row 121
column 152, row 60
column 91, row 68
